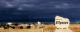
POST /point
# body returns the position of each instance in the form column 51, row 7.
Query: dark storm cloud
column 42, row 8
column 40, row 4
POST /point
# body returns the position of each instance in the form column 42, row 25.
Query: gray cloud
column 44, row 8
column 39, row 4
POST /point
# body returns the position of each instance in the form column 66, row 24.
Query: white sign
column 61, row 22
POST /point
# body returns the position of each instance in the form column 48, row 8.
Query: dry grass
column 75, row 27
column 48, row 28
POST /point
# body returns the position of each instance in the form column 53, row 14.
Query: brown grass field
column 47, row 28
column 75, row 27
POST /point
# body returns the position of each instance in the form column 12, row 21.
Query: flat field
column 47, row 28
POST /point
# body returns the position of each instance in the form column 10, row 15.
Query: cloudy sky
column 34, row 9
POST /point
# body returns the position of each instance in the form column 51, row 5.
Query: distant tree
column 21, row 27
column 28, row 27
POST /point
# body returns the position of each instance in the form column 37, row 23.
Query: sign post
column 62, row 24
